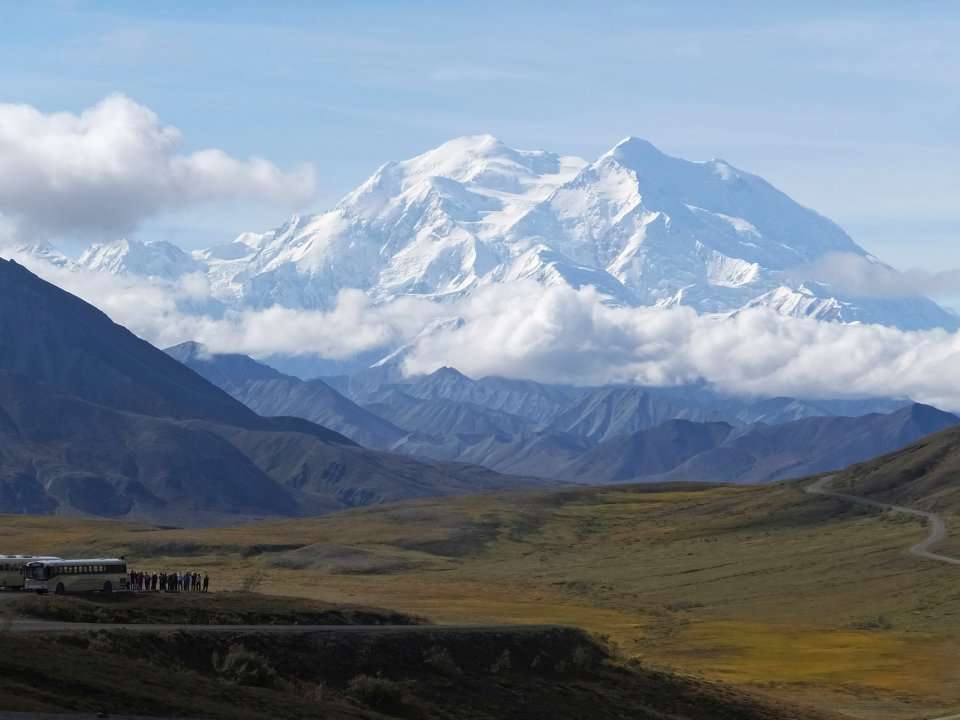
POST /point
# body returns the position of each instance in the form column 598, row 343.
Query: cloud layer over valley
column 553, row 334
column 634, row 268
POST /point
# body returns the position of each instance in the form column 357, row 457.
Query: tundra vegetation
column 801, row 598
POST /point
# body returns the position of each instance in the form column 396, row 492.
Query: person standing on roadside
column 206, row 582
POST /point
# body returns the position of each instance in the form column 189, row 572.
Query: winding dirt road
column 936, row 526
column 937, row 529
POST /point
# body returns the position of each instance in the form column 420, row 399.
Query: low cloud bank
column 857, row 276
column 105, row 170
column 558, row 335
column 562, row 335
column 166, row 314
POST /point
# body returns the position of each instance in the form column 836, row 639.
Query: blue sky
column 855, row 112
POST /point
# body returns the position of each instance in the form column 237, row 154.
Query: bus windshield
column 36, row 571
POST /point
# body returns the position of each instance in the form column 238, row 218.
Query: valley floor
column 802, row 598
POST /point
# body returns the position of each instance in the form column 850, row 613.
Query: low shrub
column 439, row 659
column 582, row 657
column 881, row 622
column 502, row 664
column 245, row 667
column 377, row 692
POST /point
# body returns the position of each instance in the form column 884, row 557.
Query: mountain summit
column 642, row 227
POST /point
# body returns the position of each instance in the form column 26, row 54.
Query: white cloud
column 169, row 313
column 557, row 335
column 108, row 168
column 857, row 276
column 562, row 335
column 195, row 286
column 353, row 326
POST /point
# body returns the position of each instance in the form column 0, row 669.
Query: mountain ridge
column 590, row 435
column 95, row 421
column 642, row 227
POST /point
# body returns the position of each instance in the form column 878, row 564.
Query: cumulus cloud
column 105, row 170
column 563, row 335
column 555, row 335
column 353, row 326
column 858, row 276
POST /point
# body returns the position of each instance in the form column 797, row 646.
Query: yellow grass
column 765, row 588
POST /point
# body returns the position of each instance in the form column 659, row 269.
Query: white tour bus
column 75, row 576
column 12, row 570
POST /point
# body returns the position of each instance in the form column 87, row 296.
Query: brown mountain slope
column 94, row 420
column 53, row 337
column 925, row 475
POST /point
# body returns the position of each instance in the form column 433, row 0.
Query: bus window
column 37, row 572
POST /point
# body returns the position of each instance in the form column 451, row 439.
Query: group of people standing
column 169, row 582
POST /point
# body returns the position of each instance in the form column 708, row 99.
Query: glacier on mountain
column 641, row 227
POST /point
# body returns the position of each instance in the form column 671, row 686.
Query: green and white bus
column 104, row 575
column 12, row 570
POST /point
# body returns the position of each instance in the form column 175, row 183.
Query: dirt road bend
column 937, row 528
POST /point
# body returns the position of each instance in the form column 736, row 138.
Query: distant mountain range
column 583, row 435
column 718, row 452
column 95, row 421
column 642, row 227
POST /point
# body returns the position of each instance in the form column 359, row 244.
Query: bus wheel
column 108, row 587
column 60, row 589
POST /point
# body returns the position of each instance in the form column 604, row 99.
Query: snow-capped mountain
column 642, row 227
column 45, row 252
column 156, row 259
